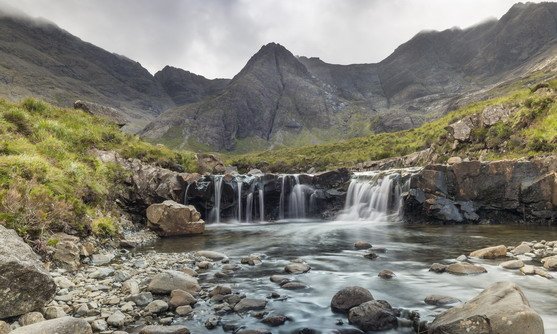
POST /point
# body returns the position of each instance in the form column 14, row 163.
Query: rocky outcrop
column 474, row 191
column 501, row 308
column 26, row 285
column 103, row 111
column 171, row 219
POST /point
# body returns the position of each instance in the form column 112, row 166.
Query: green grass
column 49, row 179
column 531, row 131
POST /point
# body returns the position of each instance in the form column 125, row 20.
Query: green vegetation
column 50, row 180
column 532, row 130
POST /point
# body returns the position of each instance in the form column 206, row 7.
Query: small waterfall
column 239, row 184
column 215, row 213
column 261, row 205
column 296, row 205
column 249, row 203
column 186, row 193
column 282, row 193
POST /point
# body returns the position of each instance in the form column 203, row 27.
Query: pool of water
column 328, row 248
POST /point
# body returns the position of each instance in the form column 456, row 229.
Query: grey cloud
column 215, row 38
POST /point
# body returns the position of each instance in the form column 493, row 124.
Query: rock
column 212, row 322
column 349, row 297
column 521, row 249
column 386, row 274
column 169, row 280
column 512, row 264
column 439, row 300
column 490, row 252
column 543, row 273
column 102, row 273
column 550, row 263
column 373, row 316
column 274, row 320
column 26, row 285
column 279, row 279
column 101, row 259
column 131, row 287
column 438, row 268
column 454, row 160
column 463, row 268
column 156, row 306
column 63, row 282
column 65, row 325
column 501, row 308
column 297, row 268
column 215, row 256
column 293, row 285
column 251, row 260
column 360, row 244
column 117, row 319
column 220, row 290
column 99, row 325
column 4, row 327
column 371, row 255
column 54, row 312
column 528, row 270
column 141, row 299
column 461, row 129
column 462, row 258
column 66, row 255
column 170, row 218
column 181, row 298
column 495, row 113
column 250, row 304
column 183, row 310
column 30, row 318
column 156, row 329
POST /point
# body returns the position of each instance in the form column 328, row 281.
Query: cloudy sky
column 215, row 38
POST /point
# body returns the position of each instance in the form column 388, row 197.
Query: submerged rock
column 502, row 308
column 360, row 244
column 170, row 218
column 490, row 252
column 350, row 297
column 438, row 268
column 25, row 284
column 386, row 274
column 373, row 316
column 65, row 325
column 440, row 300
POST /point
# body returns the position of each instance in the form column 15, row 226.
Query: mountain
column 280, row 99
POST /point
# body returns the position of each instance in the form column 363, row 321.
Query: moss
column 104, row 227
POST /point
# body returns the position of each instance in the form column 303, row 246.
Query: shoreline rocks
column 173, row 219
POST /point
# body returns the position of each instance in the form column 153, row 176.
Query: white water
column 239, row 184
column 215, row 213
column 186, row 193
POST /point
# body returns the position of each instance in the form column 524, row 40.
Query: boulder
column 461, row 129
column 181, row 298
column 490, row 252
column 170, row 219
column 169, row 280
column 250, row 304
column 30, row 318
column 66, row 255
column 495, row 113
column 65, row 325
column 297, row 267
column 360, row 244
column 156, row 306
column 439, row 300
column 25, row 284
column 463, row 268
column 157, row 329
column 550, row 263
column 373, row 315
column 502, row 308
column 386, row 274
column 521, row 249
column 350, row 297
column 512, row 264
column 117, row 319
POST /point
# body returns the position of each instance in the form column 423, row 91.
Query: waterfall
column 186, row 193
column 374, row 195
column 239, row 184
column 261, row 205
column 215, row 213
column 281, row 199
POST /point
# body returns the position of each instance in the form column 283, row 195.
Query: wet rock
column 349, row 297
column 170, row 219
column 250, row 304
column 220, row 290
column 440, row 300
column 65, row 325
column 521, row 249
column 543, row 273
column 156, row 306
column 167, row 281
column 212, row 322
column 26, row 286
column 181, row 298
column 293, row 285
column 373, row 316
column 297, row 267
column 550, row 263
column 30, row 318
column 251, row 260
column 184, row 310
column 501, row 308
column 490, row 252
column 215, row 256
column 141, row 299
column 386, row 274
column 462, row 258
column 360, row 244
column 463, row 268
column 275, row 320
column 512, row 264
column 116, row 319
column 156, row 329
column 438, row 268
column 371, row 255
column 253, row 331
column 528, row 270
column 279, row 279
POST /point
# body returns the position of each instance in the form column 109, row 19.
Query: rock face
column 65, row 325
column 170, row 219
column 473, row 191
column 25, row 284
column 501, row 308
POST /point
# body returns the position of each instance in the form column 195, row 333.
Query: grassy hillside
column 50, row 181
column 531, row 131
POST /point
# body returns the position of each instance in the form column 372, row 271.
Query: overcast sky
column 215, row 38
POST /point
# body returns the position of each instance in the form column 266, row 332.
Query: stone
column 211, row 255
column 26, row 285
column 65, row 325
column 495, row 113
column 220, row 290
column 349, row 297
column 360, row 244
column 439, row 300
column 293, row 285
column 490, row 252
column 373, row 316
column 463, row 268
column 275, row 320
column 169, row 280
column 550, row 263
column 66, row 255
column 461, row 129
column 171, row 219
column 30, row 318
column 99, row 325
column 181, row 298
column 543, row 273
column 184, row 310
column 501, row 308
column 454, row 160
column 53, row 312
column 250, row 304
column 371, row 255
column 157, row 329
column 117, row 319
column 131, row 287
column 63, row 282
column 279, row 279
column 512, row 264
column 157, row 306
column 521, row 249
column 438, row 268
column 297, row 268
column 212, row 322
column 141, row 299
column 102, row 273
column 386, row 274
column 528, row 270
column 4, row 327
column 252, row 260
column 101, row 259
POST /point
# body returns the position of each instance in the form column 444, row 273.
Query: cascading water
column 186, row 193
column 239, row 184
column 297, row 199
column 215, row 213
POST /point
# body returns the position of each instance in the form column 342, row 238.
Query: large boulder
column 170, row 218
column 502, row 308
column 350, row 297
column 166, row 282
column 490, row 252
column 65, row 325
column 25, row 284
column 375, row 315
